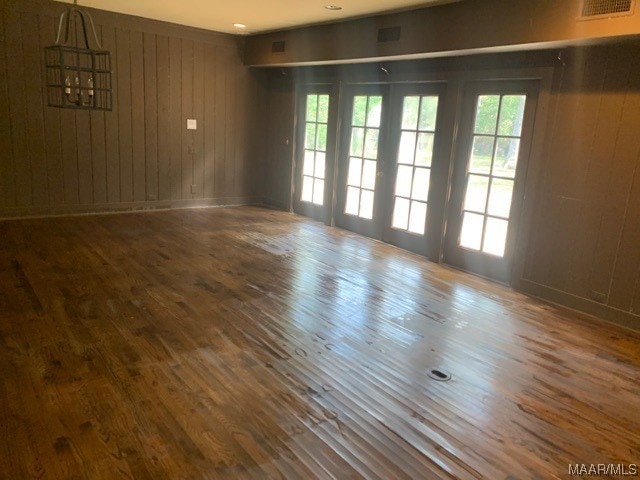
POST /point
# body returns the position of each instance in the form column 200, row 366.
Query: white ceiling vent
column 592, row 9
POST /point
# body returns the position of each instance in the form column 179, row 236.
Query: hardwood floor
column 248, row 343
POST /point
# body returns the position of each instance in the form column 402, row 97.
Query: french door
column 391, row 139
column 388, row 143
column 361, row 159
column 315, row 147
column 488, row 181
column 414, row 145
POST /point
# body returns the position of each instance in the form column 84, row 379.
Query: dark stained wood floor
column 247, row 343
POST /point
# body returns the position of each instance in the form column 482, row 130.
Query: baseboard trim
column 276, row 204
column 106, row 208
column 599, row 310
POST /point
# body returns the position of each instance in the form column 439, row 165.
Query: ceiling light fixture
column 333, row 7
column 239, row 25
column 78, row 71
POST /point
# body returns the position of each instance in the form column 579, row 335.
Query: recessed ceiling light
column 239, row 25
column 333, row 7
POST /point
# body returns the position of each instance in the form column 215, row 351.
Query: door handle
column 379, row 174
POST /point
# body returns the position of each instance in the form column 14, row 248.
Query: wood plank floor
column 248, row 343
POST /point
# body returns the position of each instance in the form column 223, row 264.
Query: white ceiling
column 257, row 15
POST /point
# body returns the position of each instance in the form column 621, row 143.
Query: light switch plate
column 191, row 124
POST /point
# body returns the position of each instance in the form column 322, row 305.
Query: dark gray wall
column 139, row 155
column 584, row 244
column 445, row 30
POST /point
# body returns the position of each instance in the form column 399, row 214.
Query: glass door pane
column 363, row 155
column 415, row 152
column 315, row 147
column 490, row 175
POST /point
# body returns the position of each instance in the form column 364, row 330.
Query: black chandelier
column 77, row 75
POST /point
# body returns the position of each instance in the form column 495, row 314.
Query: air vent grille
column 277, row 47
column 593, row 8
column 388, row 34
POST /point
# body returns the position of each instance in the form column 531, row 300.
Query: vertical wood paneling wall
column 586, row 240
column 140, row 154
column 582, row 242
column 280, row 135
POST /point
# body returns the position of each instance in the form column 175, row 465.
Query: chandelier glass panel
column 78, row 76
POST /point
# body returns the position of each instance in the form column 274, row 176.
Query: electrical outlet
column 192, row 124
column 193, row 189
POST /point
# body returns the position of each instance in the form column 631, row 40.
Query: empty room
column 294, row 239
